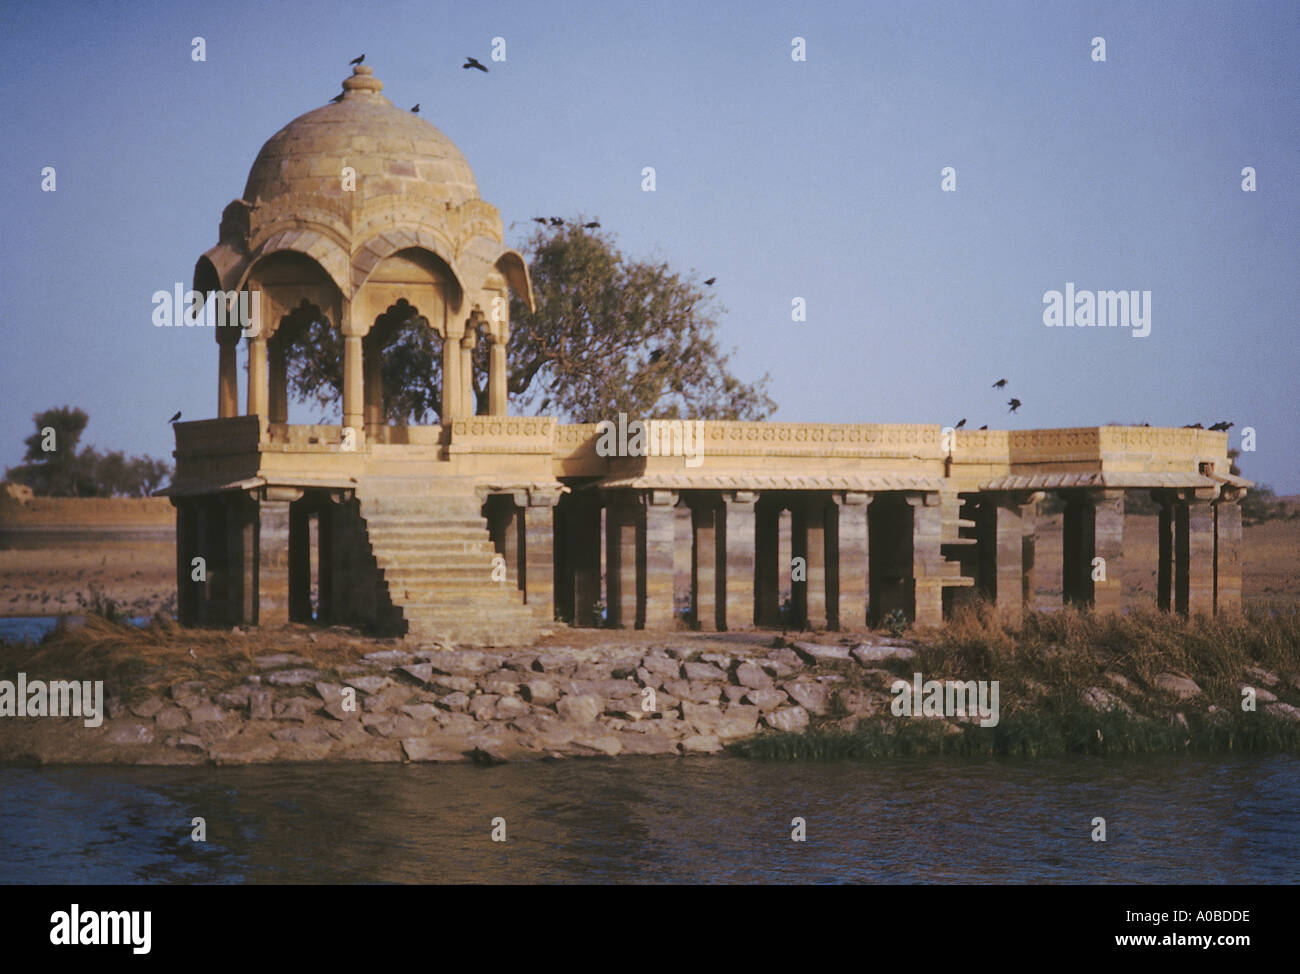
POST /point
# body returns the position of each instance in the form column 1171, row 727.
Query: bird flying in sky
column 472, row 63
column 1014, row 404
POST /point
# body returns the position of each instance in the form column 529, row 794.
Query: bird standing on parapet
column 416, row 108
column 710, row 281
column 472, row 63
column 357, row 60
column 1222, row 427
column 961, row 424
column 1014, row 404
column 176, row 417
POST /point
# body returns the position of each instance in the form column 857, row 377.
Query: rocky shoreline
column 445, row 704
column 205, row 697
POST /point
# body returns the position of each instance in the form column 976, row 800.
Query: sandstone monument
column 489, row 527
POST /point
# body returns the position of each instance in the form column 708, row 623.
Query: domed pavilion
column 360, row 221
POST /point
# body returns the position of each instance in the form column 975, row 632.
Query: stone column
column 277, row 381
column 708, row 591
column 817, row 606
column 1165, row 552
column 659, row 611
column 228, row 379
column 468, row 405
column 353, row 385
column 299, row 564
column 1108, row 545
column 539, row 553
column 1009, row 555
column 852, row 557
column 767, row 564
column 1227, row 553
column 257, row 379
column 584, row 520
column 187, row 595
column 622, row 515
column 738, row 543
column 372, row 355
column 241, row 565
column 497, row 374
column 1194, row 555
column 451, row 369
column 927, row 558
column 273, row 556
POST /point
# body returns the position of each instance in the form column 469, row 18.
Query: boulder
column 148, row 707
column 648, row 743
column 695, row 692
column 702, row 671
column 542, row 693
column 369, row 684
column 419, row 672
column 787, row 719
column 259, row 704
column 581, row 709
column 294, row 708
column 1261, row 695
column 662, row 666
column 1180, row 686
column 753, row 676
column 814, row 653
column 811, row 696
column 869, row 654
column 1283, row 710
column 483, row 707
column 426, row 749
column 171, row 718
column 128, row 732
column 767, row 700
column 293, row 678
column 701, row 744
column 598, row 742
column 509, row 708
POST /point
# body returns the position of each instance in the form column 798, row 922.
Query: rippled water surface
column 1218, row 820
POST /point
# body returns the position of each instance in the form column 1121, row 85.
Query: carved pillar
column 738, row 543
column 468, row 405
column 451, row 372
column 1165, row 551
column 353, row 385
column 1194, row 554
column 372, row 355
column 299, row 563
column 818, row 606
column 583, row 518
column 1108, row 545
column 497, row 374
column 273, row 533
column 277, row 381
column 228, row 378
column 187, row 595
column 622, row 524
column 1227, row 553
column 257, row 379
column 767, row 563
column 1008, row 553
column 241, row 563
column 927, row 558
column 659, row 611
column 852, row 557
column 708, row 555
column 539, row 553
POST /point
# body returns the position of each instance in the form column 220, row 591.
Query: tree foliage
column 63, row 470
column 609, row 335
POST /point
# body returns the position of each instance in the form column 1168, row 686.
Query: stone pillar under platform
column 583, row 520
column 187, row 595
column 818, row 605
column 228, row 378
column 927, row 557
column 538, row 580
column 1108, row 545
column 1227, row 554
column 852, row 556
column 659, row 611
column 273, row 535
column 767, row 564
column 738, row 557
column 241, row 555
column 1194, row 555
column 623, row 521
column 708, row 589
column 1009, row 566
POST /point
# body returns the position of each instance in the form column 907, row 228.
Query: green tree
column 609, row 334
column 54, row 466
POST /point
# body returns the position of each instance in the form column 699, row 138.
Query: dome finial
column 363, row 80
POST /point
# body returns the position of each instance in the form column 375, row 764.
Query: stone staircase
column 958, row 542
column 435, row 560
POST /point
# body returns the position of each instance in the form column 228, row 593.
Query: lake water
column 18, row 629
column 1225, row 819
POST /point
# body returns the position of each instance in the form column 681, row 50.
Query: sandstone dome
column 392, row 150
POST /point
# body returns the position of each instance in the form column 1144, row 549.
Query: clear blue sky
column 818, row 180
